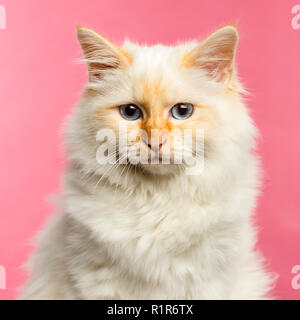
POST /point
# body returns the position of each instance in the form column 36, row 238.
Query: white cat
column 152, row 231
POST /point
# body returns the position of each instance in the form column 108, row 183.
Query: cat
column 142, row 230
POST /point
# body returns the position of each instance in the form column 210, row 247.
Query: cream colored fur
column 157, row 233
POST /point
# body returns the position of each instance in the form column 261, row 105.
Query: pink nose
column 155, row 144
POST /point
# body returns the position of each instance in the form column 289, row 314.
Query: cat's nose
column 155, row 144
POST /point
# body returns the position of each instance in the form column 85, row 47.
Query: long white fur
column 137, row 235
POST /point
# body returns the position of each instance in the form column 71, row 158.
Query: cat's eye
column 130, row 112
column 182, row 111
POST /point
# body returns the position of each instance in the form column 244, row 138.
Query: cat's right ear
column 216, row 54
column 100, row 54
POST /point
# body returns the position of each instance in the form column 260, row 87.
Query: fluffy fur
column 151, row 231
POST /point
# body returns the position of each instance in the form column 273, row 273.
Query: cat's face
column 164, row 102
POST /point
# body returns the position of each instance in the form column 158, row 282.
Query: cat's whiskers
column 114, row 166
column 117, row 183
column 108, row 170
column 86, row 176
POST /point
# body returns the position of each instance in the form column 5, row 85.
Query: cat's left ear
column 100, row 54
column 216, row 54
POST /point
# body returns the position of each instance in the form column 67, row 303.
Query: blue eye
column 182, row 111
column 130, row 112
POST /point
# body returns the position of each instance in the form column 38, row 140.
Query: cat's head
column 157, row 95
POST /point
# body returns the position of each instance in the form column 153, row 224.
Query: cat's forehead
column 156, row 73
column 156, row 58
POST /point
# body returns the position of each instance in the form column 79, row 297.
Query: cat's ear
column 100, row 54
column 215, row 55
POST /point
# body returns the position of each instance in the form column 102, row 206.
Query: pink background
column 39, row 84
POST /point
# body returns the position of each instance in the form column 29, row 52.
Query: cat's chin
column 161, row 169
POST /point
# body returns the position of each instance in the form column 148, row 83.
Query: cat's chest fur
column 168, row 244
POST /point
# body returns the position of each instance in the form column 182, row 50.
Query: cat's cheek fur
column 143, row 235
